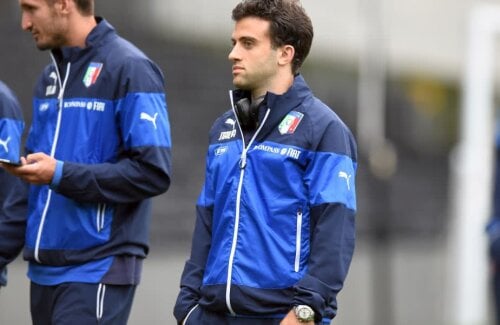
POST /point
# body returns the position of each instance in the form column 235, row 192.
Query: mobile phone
column 10, row 162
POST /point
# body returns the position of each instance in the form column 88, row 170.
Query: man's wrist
column 58, row 172
column 304, row 313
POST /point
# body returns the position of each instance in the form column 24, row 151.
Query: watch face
column 304, row 313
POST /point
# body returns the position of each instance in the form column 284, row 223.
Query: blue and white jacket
column 11, row 125
column 13, row 191
column 101, row 112
column 275, row 219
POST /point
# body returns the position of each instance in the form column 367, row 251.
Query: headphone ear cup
column 245, row 115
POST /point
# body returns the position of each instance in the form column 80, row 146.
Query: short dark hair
column 85, row 7
column 289, row 24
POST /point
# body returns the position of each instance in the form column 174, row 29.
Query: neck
column 80, row 30
column 278, row 85
column 258, row 99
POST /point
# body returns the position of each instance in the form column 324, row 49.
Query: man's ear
column 286, row 54
column 63, row 6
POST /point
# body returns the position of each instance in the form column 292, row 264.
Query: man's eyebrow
column 245, row 39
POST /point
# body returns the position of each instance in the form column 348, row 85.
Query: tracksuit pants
column 81, row 304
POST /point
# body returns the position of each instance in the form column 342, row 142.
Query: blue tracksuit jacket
column 101, row 112
column 11, row 125
column 275, row 219
column 13, row 191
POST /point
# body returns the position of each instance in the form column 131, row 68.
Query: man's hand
column 36, row 168
column 291, row 319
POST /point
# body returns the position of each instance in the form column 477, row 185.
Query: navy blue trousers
column 81, row 304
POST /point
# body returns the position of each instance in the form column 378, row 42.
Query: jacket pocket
column 298, row 241
column 185, row 321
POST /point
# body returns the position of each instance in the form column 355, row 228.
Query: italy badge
column 290, row 122
column 93, row 71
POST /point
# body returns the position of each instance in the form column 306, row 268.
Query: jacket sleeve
column 192, row 276
column 331, row 181
column 143, row 166
column 3, row 277
column 139, row 175
column 14, row 192
column 13, row 199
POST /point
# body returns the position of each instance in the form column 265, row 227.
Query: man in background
column 13, row 193
column 99, row 149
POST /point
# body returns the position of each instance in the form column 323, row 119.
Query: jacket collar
column 97, row 36
column 281, row 105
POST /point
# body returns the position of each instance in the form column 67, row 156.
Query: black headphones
column 248, row 114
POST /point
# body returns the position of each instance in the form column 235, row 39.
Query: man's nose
column 26, row 23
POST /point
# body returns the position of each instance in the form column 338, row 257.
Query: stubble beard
column 56, row 36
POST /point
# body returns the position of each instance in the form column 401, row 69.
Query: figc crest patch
column 92, row 74
column 290, row 122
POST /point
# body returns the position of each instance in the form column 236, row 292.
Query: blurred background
column 396, row 72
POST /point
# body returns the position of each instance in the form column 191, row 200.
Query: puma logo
column 147, row 117
column 51, row 89
column 231, row 122
column 347, row 178
column 4, row 144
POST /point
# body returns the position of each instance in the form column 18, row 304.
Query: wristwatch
column 304, row 313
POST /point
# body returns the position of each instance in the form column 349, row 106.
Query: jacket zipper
column 298, row 240
column 60, row 97
column 101, row 212
column 243, row 163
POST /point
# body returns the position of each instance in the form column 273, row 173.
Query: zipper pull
column 243, row 160
column 60, row 99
